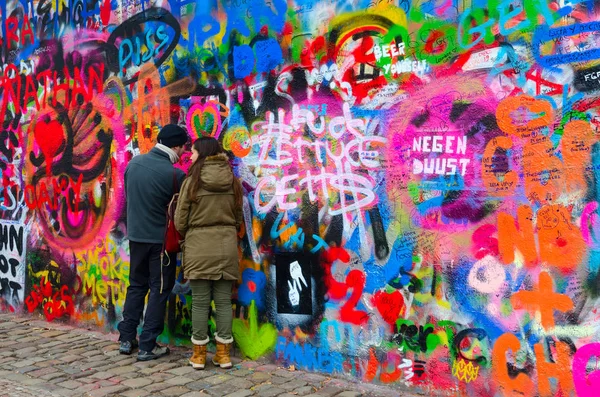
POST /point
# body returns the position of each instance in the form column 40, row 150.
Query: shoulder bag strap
column 163, row 252
column 175, row 182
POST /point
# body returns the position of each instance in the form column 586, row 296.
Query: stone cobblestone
column 70, row 384
column 137, row 383
column 27, row 369
column 179, row 380
column 135, row 393
column 267, row 390
column 220, row 390
column 39, row 359
column 174, row 391
column 241, row 393
column 293, row 384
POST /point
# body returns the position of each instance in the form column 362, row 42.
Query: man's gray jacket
column 149, row 190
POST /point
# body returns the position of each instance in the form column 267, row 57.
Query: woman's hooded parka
column 209, row 226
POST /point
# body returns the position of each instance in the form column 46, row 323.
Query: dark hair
column 206, row 147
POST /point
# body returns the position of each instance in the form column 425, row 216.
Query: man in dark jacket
column 150, row 183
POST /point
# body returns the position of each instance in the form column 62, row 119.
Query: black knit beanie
column 172, row 135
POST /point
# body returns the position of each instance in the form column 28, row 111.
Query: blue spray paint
column 268, row 55
column 243, row 61
column 252, row 288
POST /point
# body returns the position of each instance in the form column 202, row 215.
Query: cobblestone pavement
column 44, row 359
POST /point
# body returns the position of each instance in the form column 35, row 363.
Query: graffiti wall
column 421, row 178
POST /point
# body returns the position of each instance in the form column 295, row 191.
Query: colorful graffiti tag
column 421, row 178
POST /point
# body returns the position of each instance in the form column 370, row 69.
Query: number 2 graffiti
column 355, row 280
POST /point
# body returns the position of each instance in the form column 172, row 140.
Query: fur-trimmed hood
column 216, row 173
column 217, row 158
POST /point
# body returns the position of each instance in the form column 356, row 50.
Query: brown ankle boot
column 198, row 359
column 221, row 357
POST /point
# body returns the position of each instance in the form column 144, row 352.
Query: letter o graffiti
column 586, row 385
column 487, row 275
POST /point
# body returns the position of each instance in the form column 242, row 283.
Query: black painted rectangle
column 287, row 272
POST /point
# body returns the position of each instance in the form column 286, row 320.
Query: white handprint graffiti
column 295, row 284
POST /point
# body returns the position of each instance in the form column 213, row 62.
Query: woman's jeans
column 201, row 297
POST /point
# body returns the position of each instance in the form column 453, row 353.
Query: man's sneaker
column 157, row 352
column 127, row 347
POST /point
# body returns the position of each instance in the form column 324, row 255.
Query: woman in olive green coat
column 208, row 216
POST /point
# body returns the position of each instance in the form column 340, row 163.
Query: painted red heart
column 389, row 305
column 50, row 138
column 105, row 12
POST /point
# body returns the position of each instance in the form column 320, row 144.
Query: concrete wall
column 421, row 177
